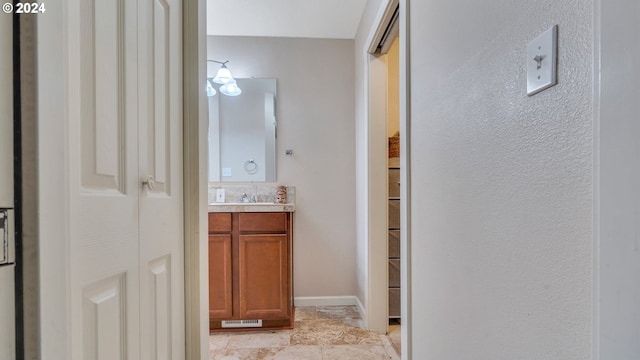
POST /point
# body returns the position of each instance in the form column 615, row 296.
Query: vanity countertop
column 251, row 207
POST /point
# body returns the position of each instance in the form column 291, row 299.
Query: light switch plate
column 541, row 61
column 226, row 171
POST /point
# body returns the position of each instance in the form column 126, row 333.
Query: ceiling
column 333, row 19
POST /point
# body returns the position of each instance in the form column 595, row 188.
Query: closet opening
column 385, row 192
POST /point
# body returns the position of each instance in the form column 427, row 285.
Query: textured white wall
column 501, row 183
column 315, row 116
column 618, row 217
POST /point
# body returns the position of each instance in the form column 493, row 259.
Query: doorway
column 384, row 179
column 391, row 25
column 394, row 138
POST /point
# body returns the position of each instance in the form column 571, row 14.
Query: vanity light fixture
column 223, row 77
column 231, row 89
column 210, row 89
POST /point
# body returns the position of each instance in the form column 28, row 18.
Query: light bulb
column 211, row 91
column 231, row 89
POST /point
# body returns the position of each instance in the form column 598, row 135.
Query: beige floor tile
column 235, row 354
column 259, row 340
column 320, row 333
column 386, row 343
column 331, row 332
column 317, row 332
column 359, row 323
column 305, row 313
column 218, row 341
column 394, row 337
column 291, row 353
column 356, row 336
column 272, row 353
column 337, row 312
column 354, row 352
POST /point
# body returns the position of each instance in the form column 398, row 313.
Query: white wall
column 501, row 182
column 617, row 322
column 316, row 120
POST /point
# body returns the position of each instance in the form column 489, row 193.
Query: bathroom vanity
column 250, row 266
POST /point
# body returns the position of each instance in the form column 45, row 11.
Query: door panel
column 102, row 66
column 156, row 94
column 160, row 160
column 125, row 123
column 160, row 286
column 160, row 147
column 105, row 311
column 103, row 165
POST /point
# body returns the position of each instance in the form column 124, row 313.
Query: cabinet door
column 220, row 277
column 264, row 277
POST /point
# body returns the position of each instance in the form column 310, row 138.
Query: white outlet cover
column 226, row 171
column 220, row 195
column 541, row 61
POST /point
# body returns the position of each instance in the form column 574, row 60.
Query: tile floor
column 320, row 333
column 394, row 336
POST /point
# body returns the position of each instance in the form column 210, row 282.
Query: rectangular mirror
column 242, row 133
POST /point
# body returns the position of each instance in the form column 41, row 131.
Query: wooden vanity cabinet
column 250, row 268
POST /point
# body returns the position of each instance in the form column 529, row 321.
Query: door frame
column 52, row 148
column 195, row 194
column 195, row 179
column 377, row 309
column 405, row 181
column 615, row 172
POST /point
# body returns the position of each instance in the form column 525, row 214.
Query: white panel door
column 103, row 179
column 161, row 224
column 125, row 247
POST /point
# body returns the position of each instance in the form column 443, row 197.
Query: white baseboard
column 327, row 301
